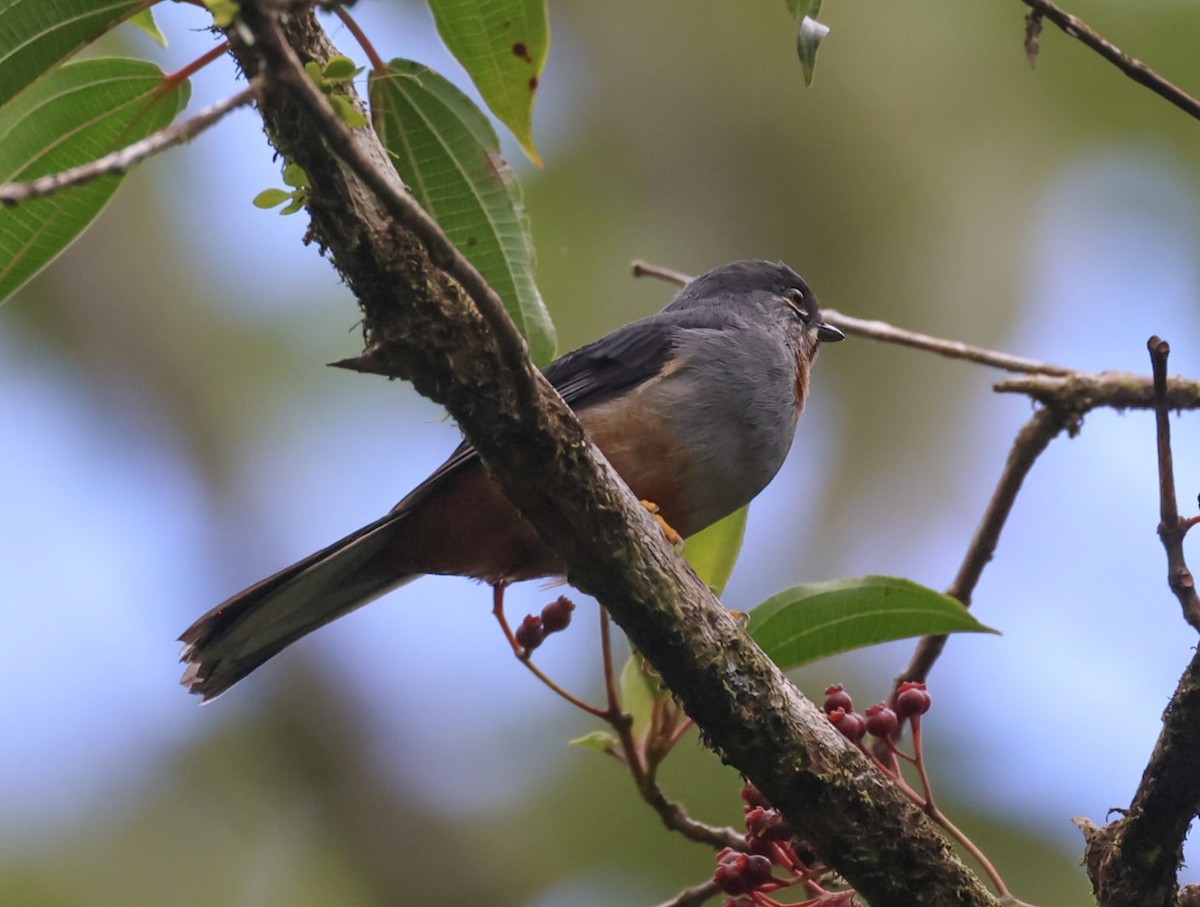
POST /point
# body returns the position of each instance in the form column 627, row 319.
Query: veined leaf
column 37, row 35
column 449, row 157
column 74, row 115
column 502, row 44
column 713, row 551
column 815, row 621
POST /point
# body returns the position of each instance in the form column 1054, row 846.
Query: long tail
column 244, row 631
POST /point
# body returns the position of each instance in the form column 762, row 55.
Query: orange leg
column 667, row 530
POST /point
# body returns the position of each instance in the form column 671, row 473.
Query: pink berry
column 912, row 700
column 851, row 724
column 882, row 721
column 530, row 634
column 753, row 797
column 836, row 697
column 758, row 870
column 557, row 615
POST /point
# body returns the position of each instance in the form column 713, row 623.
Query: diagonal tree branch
column 420, row 325
column 1135, row 69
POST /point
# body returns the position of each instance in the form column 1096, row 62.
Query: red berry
column 913, row 699
column 851, row 724
column 753, row 796
column 882, row 721
column 530, row 634
column 767, row 824
column 836, row 697
column 730, row 875
column 557, row 615
column 758, row 870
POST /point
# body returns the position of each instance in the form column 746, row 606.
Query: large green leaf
column 449, row 156
column 502, row 44
column 713, row 551
column 73, row 115
column 36, row 35
column 815, row 621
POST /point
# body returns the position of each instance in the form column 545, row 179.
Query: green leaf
column 294, row 176
column 340, row 69
column 502, row 44
column 270, row 198
column 74, row 115
column 597, row 740
column 449, row 157
column 809, row 38
column 713, row 551
column 145, row 21
column 37, row 35
column 815, row 621
column 801, row 8
column 297, row 205
column 223, row 11
column 346, row 109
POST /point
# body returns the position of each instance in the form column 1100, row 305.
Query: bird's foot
column 668, row 530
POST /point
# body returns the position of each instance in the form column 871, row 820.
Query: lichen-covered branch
column 422, row 326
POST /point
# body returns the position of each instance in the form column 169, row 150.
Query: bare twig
column 646, row 269
column 1083, row 391
column 1171, row 529
column 1032, row 439
column 694, row 896
column 123, row 160
column 1135, row 69
column 951, row 349
column 889, row 333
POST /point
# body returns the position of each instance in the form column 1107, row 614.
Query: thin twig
column 952, row 349
column 1031, row 440
column 1083, row 391
column 123, row 160
column 694, row 896
column 646, row 269
column 889, row 333
column 360, row 36
column 1135, row 69
column 400, row 205
column 1171, row 529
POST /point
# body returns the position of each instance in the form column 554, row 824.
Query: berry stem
column 195, row 66
column 364, row 42
column 523, row 657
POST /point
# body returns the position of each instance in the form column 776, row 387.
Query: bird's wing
column 592, row 374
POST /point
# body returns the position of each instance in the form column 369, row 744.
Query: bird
column 695, row 407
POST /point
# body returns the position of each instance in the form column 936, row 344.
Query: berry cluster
column 882, row 720
column 748, row 876
column 884, row 723
column 535, row 628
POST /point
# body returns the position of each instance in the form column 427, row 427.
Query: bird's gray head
column 766, row 291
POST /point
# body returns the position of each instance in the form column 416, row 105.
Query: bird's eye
column 794, row 297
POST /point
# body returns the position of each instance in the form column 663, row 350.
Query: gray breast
column 733, row 398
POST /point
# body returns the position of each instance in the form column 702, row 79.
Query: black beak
column 827, row 333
